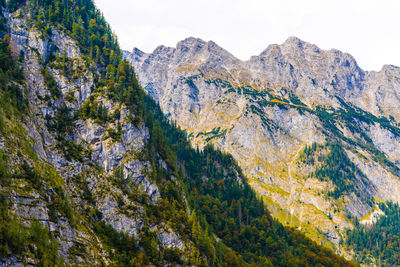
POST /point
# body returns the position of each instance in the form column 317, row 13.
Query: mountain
column 316, row 136
column 92, row 173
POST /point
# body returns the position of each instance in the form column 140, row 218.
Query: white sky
column 367, row 29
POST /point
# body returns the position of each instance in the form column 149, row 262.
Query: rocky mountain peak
column 295, row 49
column 191, row 43
column 137, row 51
column 292, row 45
column 202, row 52
column 295, row 41
column 295, row 63
column 136, row 54
column 391, row 70
column 189, row 52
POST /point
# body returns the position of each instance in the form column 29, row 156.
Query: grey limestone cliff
column 266, row 110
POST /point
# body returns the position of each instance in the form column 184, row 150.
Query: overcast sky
column 367, row 29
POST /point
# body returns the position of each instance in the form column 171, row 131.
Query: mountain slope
column 316, row 135
column 92, row 173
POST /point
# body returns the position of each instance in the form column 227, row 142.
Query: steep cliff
column 61, row 167
column 316, row 135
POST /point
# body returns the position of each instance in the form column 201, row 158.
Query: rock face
column 87, row 182
column 266, row 110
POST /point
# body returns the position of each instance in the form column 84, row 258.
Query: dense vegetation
column 11, row 75
column 380, row 240
column 83, row 22
column 351, row 117
column 16, row 238
column 221, row 204
column 332, row 163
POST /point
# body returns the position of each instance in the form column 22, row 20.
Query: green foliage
column 66, row 65
column 30, row 174
column 51, row 83
column 335, row 165
column 59, row 201
column 219, row 83
column 126, row 246
column 4, row 171
column 353, row 112
column 129, row 252
column 173, row 255
column 115, row 135
column 380, row 240
column 256, row 108
column 46, row 245
column 63, row 124
column 214, row 133
column 11, row 94
column 352, row 116
column 13, row 235
column 94, row 110
column 73, row 151
column 18, row 239
column 70, row 97
column 295, row 99
column 88, row 27
column 308, row 154
column 13, row 5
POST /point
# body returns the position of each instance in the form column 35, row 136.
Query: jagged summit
column 387, row 68
column 294, row 44
column 137, row 51
column 291, row 44
column 293, row 40
column 193, row 51
column 293, row 63
column 295, row 47
column 191, row 42
column 188, row 43
column 292, row 47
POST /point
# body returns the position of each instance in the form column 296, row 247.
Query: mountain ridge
column 268, row 111
column 290, row 39
column 289, row 54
